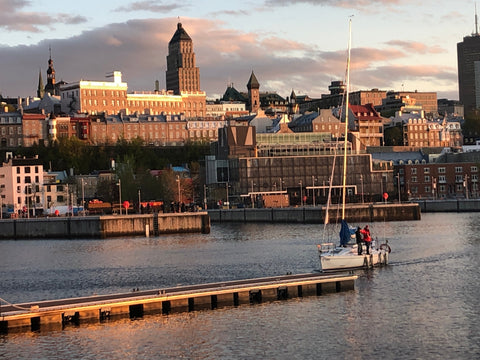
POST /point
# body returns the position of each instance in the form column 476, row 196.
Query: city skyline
column 299, row 45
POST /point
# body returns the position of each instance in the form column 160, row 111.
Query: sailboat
column 345, row 256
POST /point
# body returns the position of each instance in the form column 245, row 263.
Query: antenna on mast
column 476, row 20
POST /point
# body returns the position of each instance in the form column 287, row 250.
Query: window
column 427, row 178
column 428, row 189
column 441, row 170
column 28, row 180
column 18, row 179
column 473, row 169
column 27, row 169
column 458, row 178
column 414, row 179
column 18, row 170
column 414, row 170
column 426, row 170
column 59, row 198
column 458, row 169
column 441, row 179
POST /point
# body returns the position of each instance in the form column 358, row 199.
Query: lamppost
column 139, row 201
column 399, row 194
column 226, row 188
column 204, row 197
column 178, row 183
column 83, row 196
column 313, row 189
column 301, row 193
column 120, row 195
column 465, row 184
column 253, row 200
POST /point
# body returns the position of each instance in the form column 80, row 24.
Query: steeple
column 253, row 87
column 40, row 89
column 50, row 87
column 253, row 82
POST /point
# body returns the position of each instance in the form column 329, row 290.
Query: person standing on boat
column 358, row 236
column 366, row 238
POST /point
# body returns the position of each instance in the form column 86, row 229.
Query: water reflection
column 425, row 305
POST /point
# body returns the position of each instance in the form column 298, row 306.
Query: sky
column 299, row 45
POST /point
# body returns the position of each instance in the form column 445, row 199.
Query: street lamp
column 204, row 197
column 83, row 196
column 178, row 183
column 226, row 188
column 313, row 189
column 120, row 195
column 399, row 195
column 361, row 181
column 465, row 183
column 253, row 200
column 301, row 193
column 139, row 201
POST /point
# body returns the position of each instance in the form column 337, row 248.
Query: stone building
column 182, row 74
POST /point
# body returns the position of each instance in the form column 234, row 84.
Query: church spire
column 50, row 87
column 40, row 89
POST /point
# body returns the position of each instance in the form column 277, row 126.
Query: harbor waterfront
column 425, row 304
column 104, row 226
column 316, row 215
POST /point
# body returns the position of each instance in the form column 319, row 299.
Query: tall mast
column 346, row 119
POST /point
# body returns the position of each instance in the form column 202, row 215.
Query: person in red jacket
column 366, row 238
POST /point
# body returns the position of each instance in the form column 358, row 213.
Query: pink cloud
column 139, row 48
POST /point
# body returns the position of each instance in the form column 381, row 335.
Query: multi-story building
column 225, row 109
column 182, row 74
column 21, row 184
column 368, row 125
column 183, row 94
column 439, row 180
column 11, row 129
column 409, row 101
column 96, row 97
column 420, row 132
column 336, row 98
column 152, row 129
column 252, row 166
column 468, row 58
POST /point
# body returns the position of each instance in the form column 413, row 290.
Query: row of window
column 442, row 179
column 440, row 170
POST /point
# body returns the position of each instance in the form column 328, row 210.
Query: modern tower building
column 468, row 54
column 182, row 75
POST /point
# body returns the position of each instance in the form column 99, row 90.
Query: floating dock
column 57, row 314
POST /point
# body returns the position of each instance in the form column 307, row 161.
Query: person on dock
column 367, row 238
column 358, row 236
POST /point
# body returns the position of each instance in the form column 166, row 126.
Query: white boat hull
column 348, row 258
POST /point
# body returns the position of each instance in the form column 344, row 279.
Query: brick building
column 439, row 180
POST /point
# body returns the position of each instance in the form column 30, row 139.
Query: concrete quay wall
column 314, row 215
column 458, row 205
column 104, row 226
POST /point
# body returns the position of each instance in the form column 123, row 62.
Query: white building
column 21, row 185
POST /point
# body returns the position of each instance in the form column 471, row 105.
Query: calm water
column 425, row 305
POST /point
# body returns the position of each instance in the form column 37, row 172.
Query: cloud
column 417, row 47
column 153, row 6
column 347, row 4
column 12, row 18
column 138, row 48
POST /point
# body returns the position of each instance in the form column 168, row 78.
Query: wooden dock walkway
column 56, row 314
